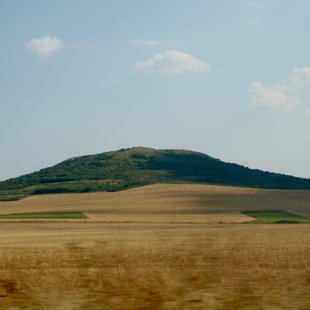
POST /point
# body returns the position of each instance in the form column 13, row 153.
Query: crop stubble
column 164, row 257
column 166, row 266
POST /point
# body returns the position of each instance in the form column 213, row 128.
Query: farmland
column 43, row 215
column 160, row 247
column 277, row 217
column 166, row 266
column 166, row 202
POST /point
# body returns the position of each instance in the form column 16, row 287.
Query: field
column 167, row 203
column 277, row 217
column 157, row 247
column 43, row 215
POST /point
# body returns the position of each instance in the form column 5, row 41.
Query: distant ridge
column 137, row 166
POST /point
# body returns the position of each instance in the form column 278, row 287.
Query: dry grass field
column 154, row 266
column 167, row 203
column 157, row 247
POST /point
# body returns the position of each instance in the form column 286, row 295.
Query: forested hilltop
column 126, row 168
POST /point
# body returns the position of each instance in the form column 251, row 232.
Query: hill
column 125, row 168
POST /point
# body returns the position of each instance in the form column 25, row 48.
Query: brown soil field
column 154, row 266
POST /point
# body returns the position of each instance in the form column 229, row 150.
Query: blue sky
column 226, row 78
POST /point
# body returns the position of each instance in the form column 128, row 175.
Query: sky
column 227, row 78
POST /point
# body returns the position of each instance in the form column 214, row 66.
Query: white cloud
column 300, row 77
column 281, row 96
column 270, row 98
column 43, row 47
column 172, row 62
column 145, row 42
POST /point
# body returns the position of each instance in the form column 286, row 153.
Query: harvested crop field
column 156, row 247
column 161, row 266
column 168, row 202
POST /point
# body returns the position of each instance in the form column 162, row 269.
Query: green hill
column 113, row 171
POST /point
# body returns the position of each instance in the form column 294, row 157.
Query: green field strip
column 44, row 215
column 276, row 217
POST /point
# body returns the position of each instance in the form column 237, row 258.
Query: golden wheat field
column 168, row 201
column 157, row 247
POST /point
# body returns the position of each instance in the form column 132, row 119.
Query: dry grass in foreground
column 154, row 266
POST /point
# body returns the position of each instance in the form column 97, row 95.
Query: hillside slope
column 133, row 167
column 166, row 201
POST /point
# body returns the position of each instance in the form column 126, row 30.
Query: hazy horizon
column 230, row 79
